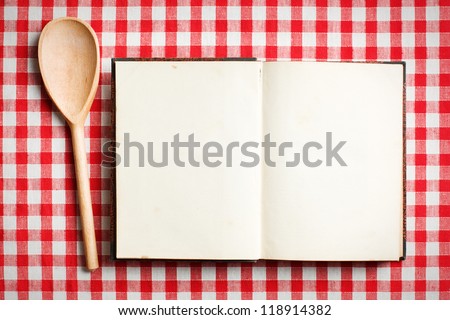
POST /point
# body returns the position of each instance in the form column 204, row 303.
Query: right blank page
column 334, row 212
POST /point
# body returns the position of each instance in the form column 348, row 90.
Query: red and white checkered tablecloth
column 41, row 255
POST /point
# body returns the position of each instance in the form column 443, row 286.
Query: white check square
column 10, row 13
column 9, row 197
column 133, row 39
column 358, row 14
column 134, row 13
column 309, row 39
column 408, row 273
column 432, row 199
column 34, row 247
column 233, row 38
column 284, row 13
column 383, row 39
column 158, row 13
column 183, row 38
column 84, row 13
column 158, row 274
column 432, row 66
column 408, row 13
column 432, row 248
column 432, row 13
column 208, row 13
column 432, row 93
column 10, row 273
column 309, row 13
column 59, row 196
column 334, row 39
column 59, row 12
column 33, row 171
column 359, row 40
column 9, row 65
column 34, row 119
column 34, row 222
column 108, row 39
column 9, row 92
column 34, row 196
column 33, row 92
column 109, row 13
column 59, row 248
column 408, row 40
column 284, row 39
column 234, row 13
column 432, row 273
column 259, row 39
column 9, row 223
column 259, row 13
column 9, row 248
column 432, row 172
column 58, row 223
column 432, row 147
column 432, row 222
column 183, row 13
column 208, row 38
column 158, row 39
column 383, row 13
column 58, row 145
column 432, row 39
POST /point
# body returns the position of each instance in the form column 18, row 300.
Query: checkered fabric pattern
column 41, row 255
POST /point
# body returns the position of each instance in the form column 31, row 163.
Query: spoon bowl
column 69, row 61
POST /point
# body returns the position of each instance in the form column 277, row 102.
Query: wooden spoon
column 69, row 60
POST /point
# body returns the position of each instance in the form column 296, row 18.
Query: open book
column 247, row 160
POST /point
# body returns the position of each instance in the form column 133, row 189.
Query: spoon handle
column 84, row 197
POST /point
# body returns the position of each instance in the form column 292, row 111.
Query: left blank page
column 187, row 212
